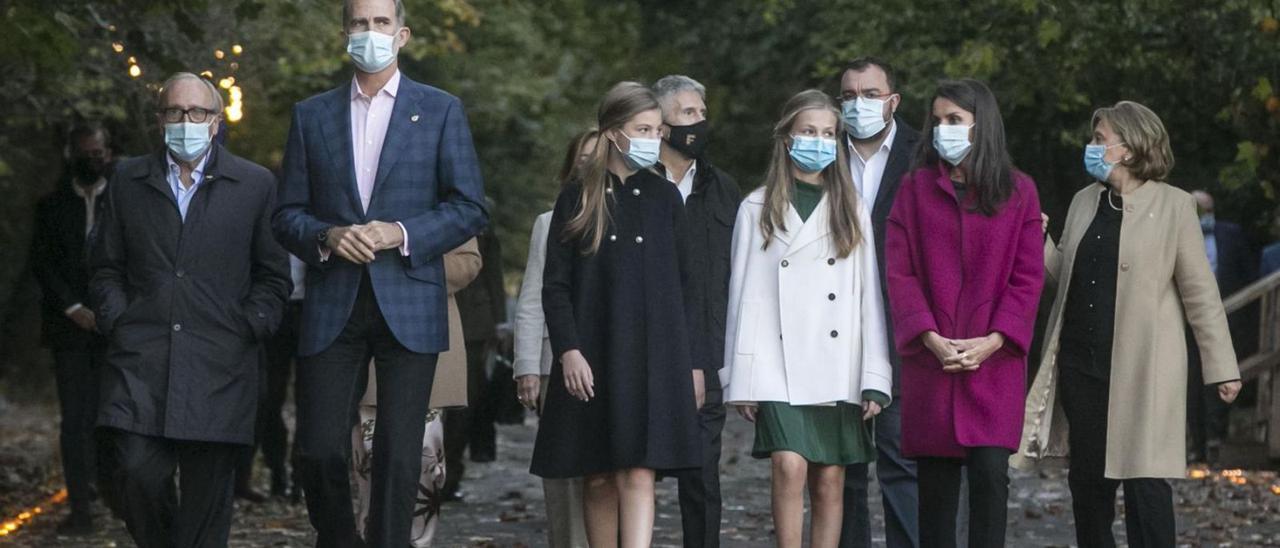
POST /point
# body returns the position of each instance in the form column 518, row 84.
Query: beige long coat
column 1164, row 282
column 461, row 266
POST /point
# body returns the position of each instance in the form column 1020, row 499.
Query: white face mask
column 371, row 51
column 865, row 117
column 952, row 142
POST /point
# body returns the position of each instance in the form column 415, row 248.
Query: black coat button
column 180, row 273
column 834, row 334
column 262, row 315
column 831, row 261
column 785, row 263
column 831, row 296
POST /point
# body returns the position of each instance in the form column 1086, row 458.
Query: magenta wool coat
column 964, row 275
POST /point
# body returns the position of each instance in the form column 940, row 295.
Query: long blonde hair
column 837, row 183
column 623, row 102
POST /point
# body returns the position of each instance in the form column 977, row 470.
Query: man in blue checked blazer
column 380, row 180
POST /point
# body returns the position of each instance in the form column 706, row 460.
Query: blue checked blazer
column 428, row 179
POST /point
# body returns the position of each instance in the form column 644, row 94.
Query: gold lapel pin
column 413, row 118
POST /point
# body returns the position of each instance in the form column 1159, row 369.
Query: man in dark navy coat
column 59, row 260
column 380, row 180
column 187, row 281
column 882, row 147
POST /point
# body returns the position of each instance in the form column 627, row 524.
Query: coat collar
column 1142, row 195
column 811, row 230
column 900, row 155
column 220, row 165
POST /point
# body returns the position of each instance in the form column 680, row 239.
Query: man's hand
column 84, row 318
column 383, row 235
column 699, row 388
column 527, row 390
column 351, row 243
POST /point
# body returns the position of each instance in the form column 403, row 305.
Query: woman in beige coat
column 448, row 390
column 1131, row 273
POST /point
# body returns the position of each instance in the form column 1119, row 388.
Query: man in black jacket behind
column 59, row 260
column 711, row 205
column 188, row 280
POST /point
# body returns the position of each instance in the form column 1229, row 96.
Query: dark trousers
column 897, row 477
column 988, row 477
column 153, row 512
column 271, row 433
column 76, row 372
column 329, row 387
column 700, row 488
column 1148, row 502
column 471, row 426
column 1206, row 412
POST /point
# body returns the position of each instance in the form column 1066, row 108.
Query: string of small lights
column 12, row 525
column 234, row 109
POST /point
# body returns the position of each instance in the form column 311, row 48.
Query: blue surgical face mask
column 1095, row 164
column 642, row 153
column 952, row 142
column 187, row 140
column 865, row 117
column 371, row 51
column 812, row 154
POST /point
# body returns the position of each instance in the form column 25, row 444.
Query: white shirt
column 868, row 173
column 90, row 194
column 685, row 184
column 182, row 193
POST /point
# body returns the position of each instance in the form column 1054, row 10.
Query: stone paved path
column 504, row 505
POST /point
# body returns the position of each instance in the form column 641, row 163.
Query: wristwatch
column 322, row 236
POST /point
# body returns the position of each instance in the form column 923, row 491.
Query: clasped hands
column 359, row 243
column 962, row 355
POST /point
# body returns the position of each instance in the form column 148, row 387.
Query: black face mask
column 88, row 170
column 690, row 140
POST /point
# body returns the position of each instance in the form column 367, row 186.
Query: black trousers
column 1148, row 502
column 898, row 493
column 153, row 511
column 271, row 433
column 329, row 387
column 76, row 372
column 700, row 489
column 988, row 477
column 473, row 425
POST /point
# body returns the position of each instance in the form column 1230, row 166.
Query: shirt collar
column 391, row 88
column 94, row 190
column 197, row 174
column 693, row 169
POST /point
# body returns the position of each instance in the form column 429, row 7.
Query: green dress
column 822, row 434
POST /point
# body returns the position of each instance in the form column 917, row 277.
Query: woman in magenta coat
column 965, row 265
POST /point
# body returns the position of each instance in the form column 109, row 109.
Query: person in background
column 59, row 261
column 711, row 199
column 449, row 391
column 624, row 394
column 1131, row 273
column 1233, row 260
column 187, row 284
column 533, row 358
column 804, row 272
column 483, row 306
column 882, row 148
column 1269, row 263
column 965, row 269
column 381, row 179
column 280, row 352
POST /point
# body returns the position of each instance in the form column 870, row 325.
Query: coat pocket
column 748, row 317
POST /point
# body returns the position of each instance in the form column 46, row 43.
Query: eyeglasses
column 853, row 95
column 194, row 114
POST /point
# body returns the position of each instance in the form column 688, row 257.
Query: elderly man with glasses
column 187, row 282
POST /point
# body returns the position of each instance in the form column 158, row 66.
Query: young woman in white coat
column 806, row 358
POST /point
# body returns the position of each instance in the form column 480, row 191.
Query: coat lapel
column 900, row 154
column 404, row 115
column 338, row 125
column 812, row 230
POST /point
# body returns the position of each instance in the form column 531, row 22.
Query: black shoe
column 250, row 495
column 77, row 524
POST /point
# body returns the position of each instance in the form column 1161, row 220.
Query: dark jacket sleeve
column 461, row 211
column 493, row 279
column 557, row 278
column 53, row 280
column 293, row 224
column 108, row 296
column 270, row 283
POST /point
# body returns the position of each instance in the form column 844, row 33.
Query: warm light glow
column 235, row 66
column 227, row 82
column 1275, row 489
column 111, row 28
column 235, row 107
column 1198, row 473
column 117, row 47
column 236, row 49
column 1235, row 473
column 11, row 525
column 219, row 54
column 135, row 71
column 133, row 60
column 207, row 74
